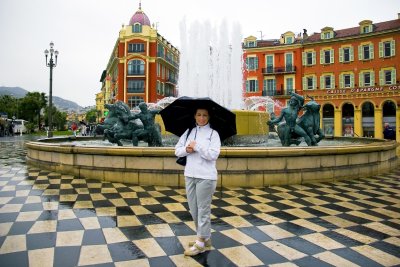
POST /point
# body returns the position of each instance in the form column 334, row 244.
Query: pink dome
column 140, row 17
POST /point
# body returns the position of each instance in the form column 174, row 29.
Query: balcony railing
column 279, row 70
column 275, row 92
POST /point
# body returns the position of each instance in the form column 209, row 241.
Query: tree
column 91, row 116
column 31, row 106
column 8, row 105
column 59, row 118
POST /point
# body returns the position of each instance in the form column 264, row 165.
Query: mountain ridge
column 60, row 103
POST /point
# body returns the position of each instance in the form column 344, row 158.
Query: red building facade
column 143, row 66
column 353, row 73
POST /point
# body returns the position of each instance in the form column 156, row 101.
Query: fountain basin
column 237, row 166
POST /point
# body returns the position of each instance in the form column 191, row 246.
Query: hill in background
column 60, row 103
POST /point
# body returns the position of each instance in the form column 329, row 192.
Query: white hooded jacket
column 202, row 162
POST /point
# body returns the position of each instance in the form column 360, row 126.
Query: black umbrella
column 179, row 116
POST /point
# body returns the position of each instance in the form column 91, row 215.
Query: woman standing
column 202, row 147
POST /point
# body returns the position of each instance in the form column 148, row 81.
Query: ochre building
column 143, row 65
column 353, row 73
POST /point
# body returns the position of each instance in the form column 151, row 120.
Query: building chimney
column 398, row 15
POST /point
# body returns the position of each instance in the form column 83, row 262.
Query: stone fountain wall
column 237, row 166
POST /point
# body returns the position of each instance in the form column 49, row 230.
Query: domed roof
column 140, row 17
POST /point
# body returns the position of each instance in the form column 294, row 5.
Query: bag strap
column 187, row 136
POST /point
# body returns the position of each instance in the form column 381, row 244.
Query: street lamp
column 51, row 64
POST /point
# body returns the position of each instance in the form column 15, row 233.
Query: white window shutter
column 394, row 76
column 333, row 81
column 321, row 57
column 393, row 48
column 360, row 55
column 314, row 57
column 381, row 81
column 380, row 49
column 303, row 54
column 341, row 81
column 341, row 54
column 351, row 54
column 372, row 75
column 332, row 54
column 371, row 51
column 322, row 82
column 305, row 85
column 361, row 79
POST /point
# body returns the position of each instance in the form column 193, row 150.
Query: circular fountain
column 215, row 71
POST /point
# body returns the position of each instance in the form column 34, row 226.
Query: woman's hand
column 190, row 147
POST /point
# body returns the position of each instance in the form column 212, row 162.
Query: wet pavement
column 50, row 219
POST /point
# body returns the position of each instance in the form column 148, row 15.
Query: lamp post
column 51, row 64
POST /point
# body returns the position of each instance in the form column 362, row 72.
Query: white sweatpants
column 199, row 194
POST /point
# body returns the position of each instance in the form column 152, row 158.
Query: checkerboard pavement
column 50, row 219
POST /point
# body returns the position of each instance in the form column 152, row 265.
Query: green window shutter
column 340, row 54
column 314, row 82
column 256, row 63
column 351, row 54
column 380, row 49
column 321, row 57
column 322, row 82
column 351, row 80
column 256, row 82
column 314, row 57
column 360, row 57
column 247, row 63
column 393, row 76
column 381, row 81
column 360, row 79
column 303, row 54
column 393, row 48
column 332, row 54
column 372, row 74
column 333, row 81
column 265, row 85
column 247, row 86
column 304, row 83
column 371, row 51
column 341, row 81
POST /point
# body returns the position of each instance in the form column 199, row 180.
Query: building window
column 346, row 80
column 269, row 62
column 309, row 82
column 346, row 54
column 251, row 44
column 158, row 88
column 366, row 52
column 387, row 76
column 326, row 56
column 327, row 81
column 134, row 101
column 252, row 86
column 135, row 67
column 289, row 62
column 387, row 49
column 309, row 58
column 135, row 48
column 366, row 78
column 252, row 63
column 366, row 29
column 137, row 27
column 269, row 87
column 135, row 86
column 289, row 40
column 289, row 85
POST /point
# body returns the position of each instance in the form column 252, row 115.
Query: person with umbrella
column 202, row 125
column 201, row 147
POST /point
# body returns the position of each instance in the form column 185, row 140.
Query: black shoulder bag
column 182, row 160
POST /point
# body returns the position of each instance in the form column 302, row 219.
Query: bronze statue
column 294, row 127
column 120, row 125
column 151, row 131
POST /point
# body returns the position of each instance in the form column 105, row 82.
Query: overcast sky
column 85, row 31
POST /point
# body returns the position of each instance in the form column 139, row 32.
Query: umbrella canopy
column 179, row 116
